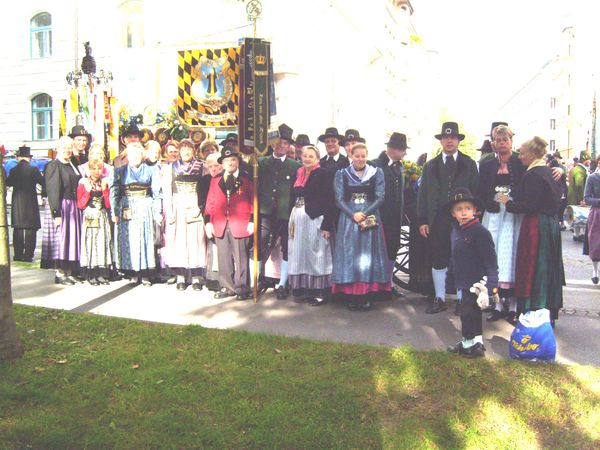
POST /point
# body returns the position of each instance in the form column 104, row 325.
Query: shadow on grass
column 92, row 381
column 485, row 404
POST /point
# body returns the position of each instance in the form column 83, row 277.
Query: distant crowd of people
column 183, row 215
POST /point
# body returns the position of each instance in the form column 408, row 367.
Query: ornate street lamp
column 87, row 74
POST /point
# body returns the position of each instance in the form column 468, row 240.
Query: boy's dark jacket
column 473, row 256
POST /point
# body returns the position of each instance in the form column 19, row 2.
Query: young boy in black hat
column 473, row 257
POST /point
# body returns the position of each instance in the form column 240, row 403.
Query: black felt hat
column 486, row 147
column 302, row 140
column 133, row 130
column 352, row 135
column 24, row 152
column 495, row 124
column 331, row 132
column 79, row 130
column 463, row 194
column 397, row 140
column 450, row 129
column 286, row 132
column 227, row 152
column 231, row 137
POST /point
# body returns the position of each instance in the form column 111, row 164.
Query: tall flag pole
column 255, row 114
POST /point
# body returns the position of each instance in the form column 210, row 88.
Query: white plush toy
column 483, row 297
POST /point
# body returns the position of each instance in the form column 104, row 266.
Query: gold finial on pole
column 254, row 9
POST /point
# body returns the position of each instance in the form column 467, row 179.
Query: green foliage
column 88, row 381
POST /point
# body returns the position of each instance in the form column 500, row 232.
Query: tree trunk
column 10, row 347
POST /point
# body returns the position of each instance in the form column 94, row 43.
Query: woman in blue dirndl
column 360, row 264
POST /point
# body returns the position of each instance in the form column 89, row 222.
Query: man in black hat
column 81, row 144
column 228, row 212
column 334, row 160
column 132, row 134
column 449, row 170
column 25, row 213
column 231, row 141
column 277, row 174
column 391, row 211
column 351, row 137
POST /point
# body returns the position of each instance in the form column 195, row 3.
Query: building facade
column 349, row 64
column 557, row 102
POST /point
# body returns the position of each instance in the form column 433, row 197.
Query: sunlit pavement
column 395, row 323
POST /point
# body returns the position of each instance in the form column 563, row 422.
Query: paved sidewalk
column 395, row 323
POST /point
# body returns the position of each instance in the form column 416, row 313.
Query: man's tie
column 450, row 163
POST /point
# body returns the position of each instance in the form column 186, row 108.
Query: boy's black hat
column 462, row 194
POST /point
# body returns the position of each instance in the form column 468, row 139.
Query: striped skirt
column 96, row 243
column 309, row 253
column 61, row 246
column 134, row 238
column 540, row 274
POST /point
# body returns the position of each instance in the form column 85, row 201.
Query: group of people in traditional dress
column 334, row 220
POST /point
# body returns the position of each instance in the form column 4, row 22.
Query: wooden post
column 256, row 226
column 10, row 346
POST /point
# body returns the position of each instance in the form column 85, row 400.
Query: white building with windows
column 349, row 64
column 556, row 103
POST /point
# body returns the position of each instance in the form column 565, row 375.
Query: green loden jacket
column 275, row 184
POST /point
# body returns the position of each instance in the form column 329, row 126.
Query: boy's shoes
column 455, row 348
column 495, row 315
column 595, row 280
column 511, row 318
column 172, row 280
column 475, row 351
column 181, row 286
column 102, row 280
column 281, row 293
column 146, row 282
column 224, row 293
column 93, row 282
column 197, row 286
column 437, row 306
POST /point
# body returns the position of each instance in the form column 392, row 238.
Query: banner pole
column 256, row 225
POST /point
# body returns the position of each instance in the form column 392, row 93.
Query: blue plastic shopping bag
column 533, row 337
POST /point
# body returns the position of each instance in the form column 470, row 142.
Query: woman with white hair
column 135, row 200
column 310, row 225
column 61, row 241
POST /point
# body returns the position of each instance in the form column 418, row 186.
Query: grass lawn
column 87, row 381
